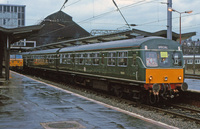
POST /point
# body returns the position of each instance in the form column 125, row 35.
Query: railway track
column 182, row 112
column 192, row 76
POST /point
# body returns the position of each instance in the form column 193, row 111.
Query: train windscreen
column 163, row 59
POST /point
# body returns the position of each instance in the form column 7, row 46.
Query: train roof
column 48, row 51
column 129, row 43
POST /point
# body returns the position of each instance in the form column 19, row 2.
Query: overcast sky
column 148, row 15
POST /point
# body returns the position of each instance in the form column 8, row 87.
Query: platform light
column 173, row 10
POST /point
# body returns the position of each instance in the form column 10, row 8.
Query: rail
column 192, row 76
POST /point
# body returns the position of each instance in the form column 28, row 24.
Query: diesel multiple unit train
column 16, row 61
column 150, row 69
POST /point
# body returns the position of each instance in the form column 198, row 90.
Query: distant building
column 191, row 47
column 58, row 26
column 12, row 16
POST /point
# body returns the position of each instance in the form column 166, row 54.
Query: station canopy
column 120, row 35
column 16, row 34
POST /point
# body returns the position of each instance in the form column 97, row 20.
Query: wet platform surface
column 29, row 104
column 193, row 84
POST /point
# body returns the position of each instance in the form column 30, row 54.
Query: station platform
column 26, row 103
column 193, row 84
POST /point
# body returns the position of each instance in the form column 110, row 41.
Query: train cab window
column 151, row 59
column 111, row 58
column 12, row 56
column 164, row 59
column 177, row 59
column 122, row 59
column 18, row 56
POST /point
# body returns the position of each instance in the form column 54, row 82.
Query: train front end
column 164, row 70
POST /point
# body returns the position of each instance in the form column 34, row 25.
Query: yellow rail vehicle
column 16, row 62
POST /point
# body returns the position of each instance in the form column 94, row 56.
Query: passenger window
column 88, row 59
column 81, row 59
column 62, row 59
column 122, row 59
column 102, row 59
column 95, row 58
column 76, row 58
column 69, row 58
column 111, row 59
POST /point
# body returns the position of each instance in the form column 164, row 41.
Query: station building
column 12, row 16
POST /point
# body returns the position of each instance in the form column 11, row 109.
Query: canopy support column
column 7, row 58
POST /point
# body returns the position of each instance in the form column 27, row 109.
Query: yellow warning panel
column 163, row 54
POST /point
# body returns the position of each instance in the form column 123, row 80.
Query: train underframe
column 145, row 93
column 164, row 91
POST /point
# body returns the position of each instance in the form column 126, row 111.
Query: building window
column 19, row 22
column 0, row 8
column 190, row 61
column 197, row 61
column 15, row 9
column 8, row 8
column 4, row 8
column 23, row 9
column 19, row 9
column 12, row 9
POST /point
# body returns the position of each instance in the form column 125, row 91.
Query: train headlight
column 150, row 78
column 165, row 78
column 179, row 78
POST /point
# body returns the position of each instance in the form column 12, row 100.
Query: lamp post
column 171, row 9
